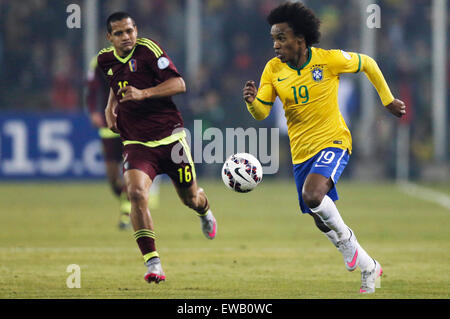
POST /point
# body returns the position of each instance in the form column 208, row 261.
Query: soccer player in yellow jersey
column 306, row 80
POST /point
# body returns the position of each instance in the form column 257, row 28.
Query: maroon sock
column 145, row 239
column 204, row 210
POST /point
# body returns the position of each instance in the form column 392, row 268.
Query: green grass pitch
column 264, row 248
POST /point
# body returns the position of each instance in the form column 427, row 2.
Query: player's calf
column 195, row 198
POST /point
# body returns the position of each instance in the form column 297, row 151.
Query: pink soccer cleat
column 209, row 225
column 154, row 271
column 371, row 279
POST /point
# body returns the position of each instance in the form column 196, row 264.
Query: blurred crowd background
column 42, row 66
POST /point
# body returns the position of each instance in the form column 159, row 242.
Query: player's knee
column 137, row 194
column 312, row 198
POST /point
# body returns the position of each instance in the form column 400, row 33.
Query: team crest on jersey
column 133, row 65
column 317, row 74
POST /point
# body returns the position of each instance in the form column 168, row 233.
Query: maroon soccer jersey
column 146, row 66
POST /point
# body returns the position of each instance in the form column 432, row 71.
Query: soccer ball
column 242, row 172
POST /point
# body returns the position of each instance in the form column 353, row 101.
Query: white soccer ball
column 242, row 172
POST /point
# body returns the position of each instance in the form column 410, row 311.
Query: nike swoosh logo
column 279, row 80
column 353, row 262
column 318, row 165
column 236, row 170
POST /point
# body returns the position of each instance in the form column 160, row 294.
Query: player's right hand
column 397, row 107
column 249, row 91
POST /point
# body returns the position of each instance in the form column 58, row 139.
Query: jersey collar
column 304, row 64
column 125, row 59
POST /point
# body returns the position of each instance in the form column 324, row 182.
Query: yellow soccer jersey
column 310, row 98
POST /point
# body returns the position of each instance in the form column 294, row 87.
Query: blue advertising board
column 49, row 146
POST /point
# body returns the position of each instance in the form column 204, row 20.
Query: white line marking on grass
column 425, row 193
column 132, row 250
column 326, row 248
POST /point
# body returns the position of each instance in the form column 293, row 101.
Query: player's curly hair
column 300, row 18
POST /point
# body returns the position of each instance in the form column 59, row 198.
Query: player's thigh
column 317, row 176
column 139, row 169
column 316, row 186
column 326, row 168
column 182, row 172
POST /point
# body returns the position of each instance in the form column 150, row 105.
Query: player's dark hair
column 301, row 20
column 117, row 16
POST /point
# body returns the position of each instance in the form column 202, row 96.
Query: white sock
column 365, row 262
column 329, row 214
column 333, row 237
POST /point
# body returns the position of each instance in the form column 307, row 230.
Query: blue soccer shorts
column 329, row 162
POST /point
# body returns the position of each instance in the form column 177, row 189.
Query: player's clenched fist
column 397, row 107
column 130, row 93
column 249, row 91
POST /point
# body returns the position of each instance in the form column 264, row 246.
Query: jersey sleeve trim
column 264, row 102
column 359, row 64
column 152, row 46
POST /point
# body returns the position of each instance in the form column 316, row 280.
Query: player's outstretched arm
column 169, row 87
column 374, row 74
column 110, row 112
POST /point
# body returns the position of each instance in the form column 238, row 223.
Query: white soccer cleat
column 154, row 271
column 371, row 279
column 349, row 249
column 209, row 225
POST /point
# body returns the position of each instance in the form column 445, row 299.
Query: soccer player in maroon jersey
column 142, row 79
column 96, row 100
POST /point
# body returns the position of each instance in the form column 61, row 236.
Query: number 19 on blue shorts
column 329, row 162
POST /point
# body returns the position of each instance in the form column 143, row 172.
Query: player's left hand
column 397, row 107
column 130, row 93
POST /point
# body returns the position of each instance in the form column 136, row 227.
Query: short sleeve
column 164, row 68
column 158, row 61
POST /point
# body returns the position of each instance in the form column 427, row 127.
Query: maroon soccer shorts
column 158, row 160
column 112, row 149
